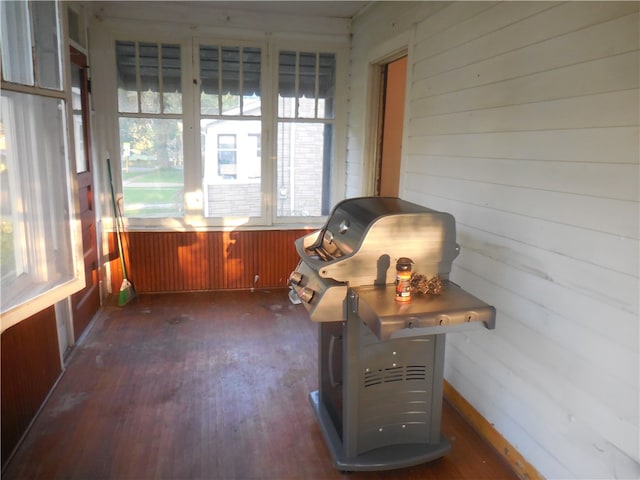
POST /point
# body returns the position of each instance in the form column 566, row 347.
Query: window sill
column 16, row 314
column 183, row 225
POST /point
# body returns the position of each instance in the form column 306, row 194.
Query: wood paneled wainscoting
column 30, row 368
column 201, row 261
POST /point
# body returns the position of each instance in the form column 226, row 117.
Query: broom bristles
column 126, row 293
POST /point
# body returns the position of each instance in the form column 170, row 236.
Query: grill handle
column 332, row 342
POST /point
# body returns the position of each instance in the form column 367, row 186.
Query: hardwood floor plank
column 205, row 386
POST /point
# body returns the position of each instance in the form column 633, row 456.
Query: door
column 85, row 303
column 390, row 152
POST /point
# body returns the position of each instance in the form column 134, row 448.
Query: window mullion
column 43, row 92
column 316, row 91
column 220, row 70
column 240, row 80
column 297, row 85
column 32, row 38
column 138, row 79
column 193, row 168
column 160, row 79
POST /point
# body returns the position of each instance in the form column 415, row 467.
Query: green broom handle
column 115, row 212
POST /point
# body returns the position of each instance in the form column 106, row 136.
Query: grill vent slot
column 395, row 374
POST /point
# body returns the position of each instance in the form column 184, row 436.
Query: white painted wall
column 522, row 121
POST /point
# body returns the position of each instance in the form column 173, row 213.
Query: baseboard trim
column 520, row 466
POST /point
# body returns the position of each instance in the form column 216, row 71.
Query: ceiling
column 317, row 8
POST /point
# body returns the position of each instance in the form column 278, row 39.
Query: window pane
column 78, row 129
column 227, row 156
column 251, row 60
column 307, row 86
column 304, row 169
column 149, row 78
column 75, row 28
column 287, row 90
column 35, row 242
column 16, row 42
column 127, row 84
column 232, row 166
column 152, row 167
column 231, row 81
column 209, row 76
column 171, row 79
column 141, row 67
column 326, row 85
column 47, row 39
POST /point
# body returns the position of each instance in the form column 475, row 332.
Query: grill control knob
column 295, row 278
column 306, row 295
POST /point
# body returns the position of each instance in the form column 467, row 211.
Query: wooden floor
column 205, row 386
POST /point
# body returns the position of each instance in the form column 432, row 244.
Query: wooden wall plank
column 601, row 249
column 597, row 145
column 573, row 47
column 616, row 109
column 608, row 74
column 576, row 310
column 567, row 177
column 30, row 367
column 442, row 20
column 616, row 217
column 470, row 24
column 531, row 29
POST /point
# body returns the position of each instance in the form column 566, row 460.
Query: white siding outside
column 522, row 120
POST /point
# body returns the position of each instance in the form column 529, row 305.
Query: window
column 264, row 153
column 306, row 93
column 230, row 123
column 77, row 78
column 150, row 121
column 36, row 239
column 17, row 64
column 227, row 156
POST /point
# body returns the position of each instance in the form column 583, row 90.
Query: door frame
column 381, row 57
column 389, row 138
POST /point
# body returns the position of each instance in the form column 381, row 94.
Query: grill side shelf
column 453, row 310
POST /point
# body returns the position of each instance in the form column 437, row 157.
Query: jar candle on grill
column 403, row 279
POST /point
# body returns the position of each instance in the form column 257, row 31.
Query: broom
column 127, row 292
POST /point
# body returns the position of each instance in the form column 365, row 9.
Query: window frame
column 211, row 222
column 337, row 183
column 140, row 114
column 51, row 294
column 337, row 168
column 194, row 211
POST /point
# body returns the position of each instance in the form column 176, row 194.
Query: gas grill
column 381, row 361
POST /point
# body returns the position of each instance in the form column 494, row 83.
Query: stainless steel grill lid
column 360, row 244
column 364, row 237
